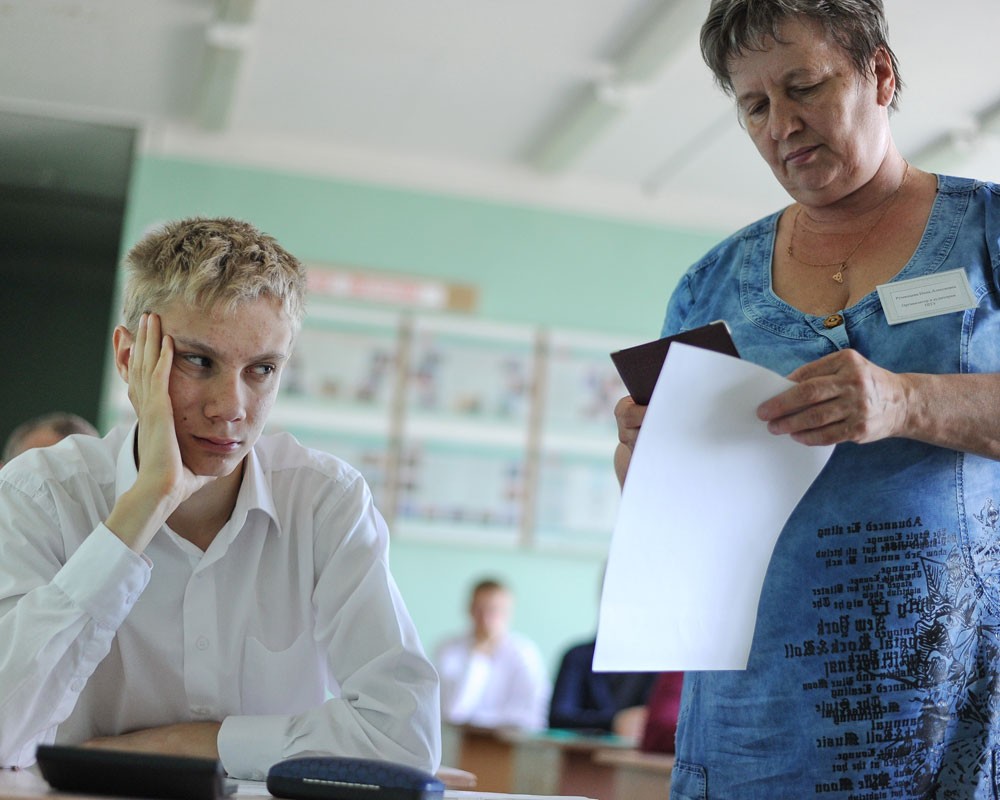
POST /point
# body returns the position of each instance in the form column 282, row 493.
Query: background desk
column 638, row 775
column 562, row 762
column 541, row 763
column 485, row 752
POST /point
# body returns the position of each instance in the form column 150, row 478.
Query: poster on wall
column 345, row 359
column 464, row 436
column 450, row 491
column 473, row 374
column 577, row 502
column 577, row 492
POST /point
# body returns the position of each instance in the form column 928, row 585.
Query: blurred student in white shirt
column 186, row 586
column 492, row 677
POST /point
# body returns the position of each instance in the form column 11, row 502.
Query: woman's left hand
column 841, row 397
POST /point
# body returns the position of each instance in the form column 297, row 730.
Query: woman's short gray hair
column 734, row 27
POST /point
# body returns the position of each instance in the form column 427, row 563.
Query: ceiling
column 601, row 106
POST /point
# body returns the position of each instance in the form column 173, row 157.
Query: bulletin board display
column 576, row 502
column 346, row 361
column 582, row 387
column 460, row 491
column 467, row 429
column 576, row 495
column 474, row 374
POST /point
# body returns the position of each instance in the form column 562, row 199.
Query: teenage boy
column 186, row 586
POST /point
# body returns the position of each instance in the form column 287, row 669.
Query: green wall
column 530, row 265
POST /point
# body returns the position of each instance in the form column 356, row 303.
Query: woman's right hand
column 629, row 416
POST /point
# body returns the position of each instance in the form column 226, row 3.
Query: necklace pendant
column 838, row 276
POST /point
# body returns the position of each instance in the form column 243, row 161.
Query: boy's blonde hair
column 210, row 263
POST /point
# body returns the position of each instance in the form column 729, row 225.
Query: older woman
column 874, row 666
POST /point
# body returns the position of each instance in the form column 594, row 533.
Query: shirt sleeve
column 527, row 688
column 538, row 690
column 992, row 226
column 451, row 659
column 388, row 706
column 678, row 306
column 57, row 621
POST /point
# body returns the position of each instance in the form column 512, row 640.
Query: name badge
column 929, row 296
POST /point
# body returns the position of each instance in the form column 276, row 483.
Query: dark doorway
column 63, row 186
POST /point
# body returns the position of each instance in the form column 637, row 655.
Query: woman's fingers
column 842, row 397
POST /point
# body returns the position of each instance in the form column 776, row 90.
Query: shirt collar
column 255, row 491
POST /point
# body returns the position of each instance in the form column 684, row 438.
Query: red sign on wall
column 388, row 289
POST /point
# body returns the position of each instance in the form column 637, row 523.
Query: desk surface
column 567, row 739
column 538, row 763
column 26, row 784
column 636, row 759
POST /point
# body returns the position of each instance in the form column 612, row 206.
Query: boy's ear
column 122, row 341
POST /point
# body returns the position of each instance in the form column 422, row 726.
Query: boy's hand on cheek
column 161, row 468
column 163, row 482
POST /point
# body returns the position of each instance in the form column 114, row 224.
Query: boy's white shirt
column 292, row 600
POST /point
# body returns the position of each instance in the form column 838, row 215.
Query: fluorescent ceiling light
column 227, row 39
column 597, row 105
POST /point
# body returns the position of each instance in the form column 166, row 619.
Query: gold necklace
column 841, row 265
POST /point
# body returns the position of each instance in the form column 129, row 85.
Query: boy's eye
column 196, row 361
column 262, row 369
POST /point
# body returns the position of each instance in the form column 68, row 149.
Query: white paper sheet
column 708, row 491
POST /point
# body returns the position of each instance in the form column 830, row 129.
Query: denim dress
column 875, row 666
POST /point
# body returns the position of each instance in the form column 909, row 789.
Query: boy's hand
column 197, row 739
column 163, row 482
column 159, row 456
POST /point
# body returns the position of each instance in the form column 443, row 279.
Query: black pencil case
column 119, row 773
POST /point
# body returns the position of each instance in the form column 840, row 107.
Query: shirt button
column 201, row 643
column 200, row 711
column 833, row 321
